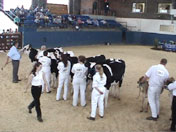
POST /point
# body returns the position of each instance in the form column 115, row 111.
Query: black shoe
column 30, row 110
column 157, row 116
column 91, row 118
column 151, row 118
column 39, row 119
column 172, row 130
column 49, row 92
column 19, row 80
column 101, row 116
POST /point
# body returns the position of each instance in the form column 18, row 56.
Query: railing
column 7, row 40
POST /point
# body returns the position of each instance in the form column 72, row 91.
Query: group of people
column 40, row 79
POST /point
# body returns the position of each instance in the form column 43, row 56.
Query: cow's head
column 170, row 80
column 140, row 83
column 91, row 70
column 26, row 48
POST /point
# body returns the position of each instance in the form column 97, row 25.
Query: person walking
column 79, row 81
column 64, row 74
column 98, row 93
column 15, row 56
column 36, row 78
column 157, row 75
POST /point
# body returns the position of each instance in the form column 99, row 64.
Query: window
column 167, row 28
column 138, row 7
column 164, row 8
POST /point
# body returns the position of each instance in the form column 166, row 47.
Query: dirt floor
column 120, row 116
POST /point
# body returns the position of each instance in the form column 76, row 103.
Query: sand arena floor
column 120, row 116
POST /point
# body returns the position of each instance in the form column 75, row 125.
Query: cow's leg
column 89, row 86
column 117, row 92
column 147, row 106
column 142, row 102
column 139, row 92
column 112, row 90
column 52, row 81
column 55, row 81
column 106, row 97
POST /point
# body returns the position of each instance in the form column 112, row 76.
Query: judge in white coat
column 79, row 81
column 98, row 93
column 40, row 53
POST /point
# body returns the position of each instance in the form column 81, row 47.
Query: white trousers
column 97, row 99
column 79, row 85
column 63, row 81
column 48, row 78
column 153, row 98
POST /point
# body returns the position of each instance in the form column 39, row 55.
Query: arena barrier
column 70, row 38
column 145, row 38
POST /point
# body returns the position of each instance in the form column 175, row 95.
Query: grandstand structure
column 97, row 22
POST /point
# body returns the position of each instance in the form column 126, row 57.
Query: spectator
column 17, row 20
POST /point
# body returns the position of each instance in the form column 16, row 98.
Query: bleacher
column 29, row 19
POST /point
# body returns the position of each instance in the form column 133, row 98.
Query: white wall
column 148, row 25
column 6, row 23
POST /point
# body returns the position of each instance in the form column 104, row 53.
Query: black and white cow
column 54, row 54
column 118, row 70
column 114, row 70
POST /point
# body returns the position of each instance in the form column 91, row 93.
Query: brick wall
column 57, row 9
column 123, row 8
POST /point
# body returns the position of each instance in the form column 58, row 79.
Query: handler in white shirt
column 79, row 81
column 40, row 53
column 64, row 74
column 157, row 75
column 98, row 93
column 46, row 62
column 36, row 78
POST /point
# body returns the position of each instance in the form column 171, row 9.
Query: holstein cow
column 53, row 54
column 114, row 70
column 118, row 70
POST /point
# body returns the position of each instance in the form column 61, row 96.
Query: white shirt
column 172, row 87
column 80, row 71
column 157, row 74
column 38, row 79
column 40, row 54
column 13, row 53
column 99, row 81
column 64, row 70
column 46, row 62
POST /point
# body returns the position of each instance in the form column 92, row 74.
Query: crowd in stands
column 41, row 17
column 10, row 31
